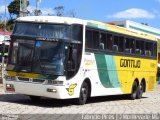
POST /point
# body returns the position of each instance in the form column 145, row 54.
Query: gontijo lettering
column 130, row 63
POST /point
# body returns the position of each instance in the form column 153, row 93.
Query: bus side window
column 95, row 40
column 88, row 39
column 127, row 46
column 102, row 44
column 109, row 41
column 154, row 49
column 121, row 44
column 115, row 44
column 138, row 47
column 148, row 50
column 132, row 46
column 142, row 46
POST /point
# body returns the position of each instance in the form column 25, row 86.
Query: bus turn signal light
column 51, row 90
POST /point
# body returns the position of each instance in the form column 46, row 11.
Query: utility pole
column 3, row 45
column 20, row 8
column 37, row 7
column 23, row 8
column 5, row 15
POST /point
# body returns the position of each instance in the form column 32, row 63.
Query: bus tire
column 134, row 92
column 140, row 91
column 34, row 98
column 83, row 94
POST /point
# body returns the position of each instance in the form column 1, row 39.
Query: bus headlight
column 10, row 88
column 10, row 77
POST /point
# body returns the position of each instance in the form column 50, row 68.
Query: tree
column 1, row 25
column 59, row 10
column 72, row 13
column 37, row 12
column 14, row 8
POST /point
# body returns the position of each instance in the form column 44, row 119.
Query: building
column 4, row 36
column 138, row 27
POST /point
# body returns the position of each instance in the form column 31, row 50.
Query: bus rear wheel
column 140, row 91
column 134, row 92
column 83, row 94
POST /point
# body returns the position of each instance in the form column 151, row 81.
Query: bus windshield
column 38, row 56
column 42, row 30
column 41, row 48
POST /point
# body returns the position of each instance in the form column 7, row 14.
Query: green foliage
column 59, row 10
column 37, row 12
column 1, row 25
column 14, row 8
column 10, row 25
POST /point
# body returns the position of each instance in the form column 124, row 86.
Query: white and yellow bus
column 64, row 58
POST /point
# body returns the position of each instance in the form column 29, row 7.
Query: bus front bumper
column 50, row 91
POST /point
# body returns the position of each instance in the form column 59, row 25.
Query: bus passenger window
column 115, row 44
column 154, row 49
column 88, row 39
column 142, row 47
column 149, row 49
column 102, row 44
column 109, row 41
column 95, row 40
column 138, row 47
column 127, row 46
column 132, row 46
column 121, row 44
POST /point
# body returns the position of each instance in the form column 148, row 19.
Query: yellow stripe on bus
column 22, row 74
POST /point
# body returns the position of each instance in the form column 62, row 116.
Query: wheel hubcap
column 83, row 93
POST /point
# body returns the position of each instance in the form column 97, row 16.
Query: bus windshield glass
column 41, row 48
column 38, row 56
column 60, row 31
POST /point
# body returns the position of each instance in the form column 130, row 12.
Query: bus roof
column 91, row 23
column 51, row 19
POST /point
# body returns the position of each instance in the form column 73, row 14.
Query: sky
column 141, row 11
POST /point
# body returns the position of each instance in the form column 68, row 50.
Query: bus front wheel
column 134, row 92
column 83, row 94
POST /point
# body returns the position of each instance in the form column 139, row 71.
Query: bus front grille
column 38, row 80
column 31, row 80
column 23, row 79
